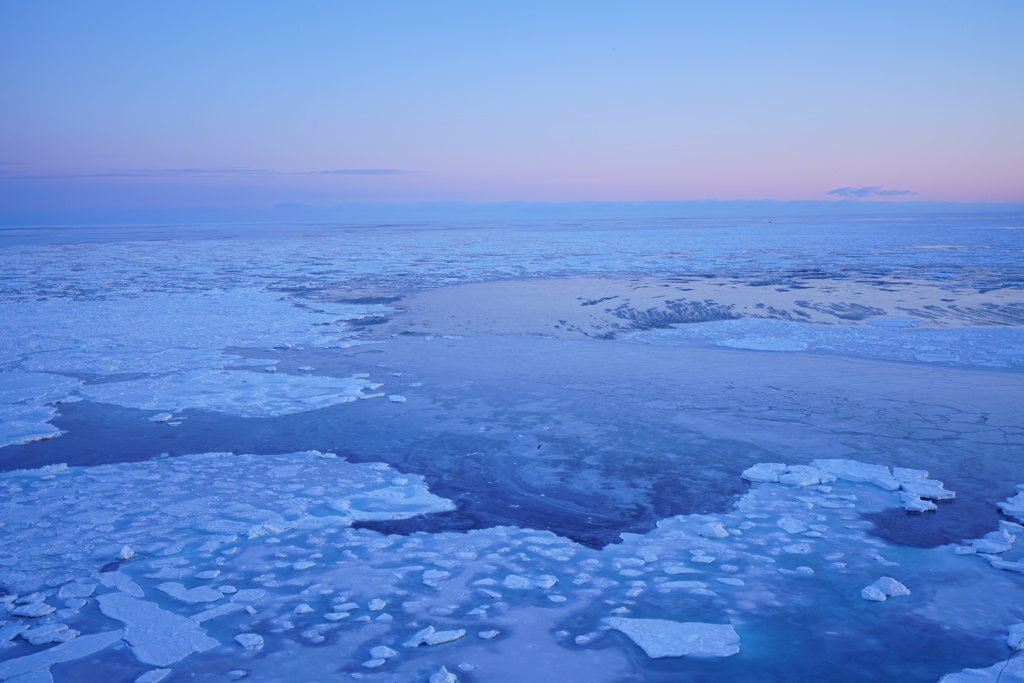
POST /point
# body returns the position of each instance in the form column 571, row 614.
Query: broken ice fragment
column 884, row 588
column 713, row 530
column 927, row 488
column 396, row 398
column 34, row 610
column 382, row 652
column 443, row 675
column 250, row 641
column 429, row 636
column 664, row 638
column 76, row 590
column 157, row 637
column 487, row 635
column 65, row 652
column 873, row 593
column 913, row 503
column 153, row 676
column 765, row 472
column 376, row 605
column 791, row 525
column 517, row 582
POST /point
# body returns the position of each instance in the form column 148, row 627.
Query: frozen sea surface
column 553, row 490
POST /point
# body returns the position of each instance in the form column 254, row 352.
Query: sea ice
column 664, row 638
column 237, row 392
column 157, row 637
column 78, row 648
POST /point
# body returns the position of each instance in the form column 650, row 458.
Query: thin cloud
column 362, row 171
column 211, row 173
column 869, row 191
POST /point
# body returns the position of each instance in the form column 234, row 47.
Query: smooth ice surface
column 663, row 638
column 157, row 637
column 238, row 392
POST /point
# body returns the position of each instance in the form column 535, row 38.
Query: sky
column 248, row 104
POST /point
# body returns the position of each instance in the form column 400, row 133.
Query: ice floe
column 664, row 638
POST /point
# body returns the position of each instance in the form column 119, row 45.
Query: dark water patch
column 843, row 311
column 954, row 521
column 576, row 488
column 370, row 300
column 368, row 321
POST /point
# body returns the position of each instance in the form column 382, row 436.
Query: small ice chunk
column 664, row 638
column 303, row 608
column 703, row 559
column 730, row 581
column 153, row 676
column 673, row 569
column 891, row 587
column 126, row 553
column 211, row 574
column 545, row 581
column 767, row 472
column 791, row 525
column 250, row 641
column 34, row 610
column 517, row 582
column 303, row 564
column 713, row 530
column 336, row 616
column 76, row 590
column 382, row 652
column 913, row 503
column 49, row 633
column 487, row 635
column 396, row 398
column 927, row 488
column 557, row 599
column 873, row 593
column 377, row 605
column 374, row 663
column 885, row 587
column 429, row 636
column 443, row 675
column 162, row 417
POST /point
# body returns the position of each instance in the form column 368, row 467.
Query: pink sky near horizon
column 525, row 102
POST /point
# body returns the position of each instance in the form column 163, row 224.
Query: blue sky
column 250, row 104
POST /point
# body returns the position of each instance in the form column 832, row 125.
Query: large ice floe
column 220, row 566
column 166, row 351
